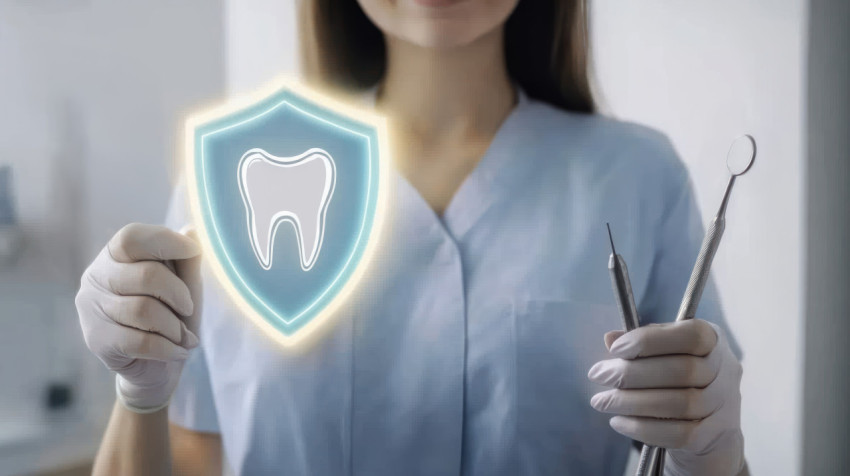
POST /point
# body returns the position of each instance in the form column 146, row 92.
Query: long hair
column 546, row 49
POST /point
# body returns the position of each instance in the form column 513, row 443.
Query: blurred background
column 92, row 94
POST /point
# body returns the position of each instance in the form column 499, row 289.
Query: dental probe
column 739, row 160
column 628, row 312
column 622, row 287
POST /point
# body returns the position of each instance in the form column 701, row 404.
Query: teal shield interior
column 286, row 125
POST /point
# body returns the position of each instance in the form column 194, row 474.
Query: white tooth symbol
column 292, row 189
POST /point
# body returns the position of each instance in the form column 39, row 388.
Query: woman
column 468, row 348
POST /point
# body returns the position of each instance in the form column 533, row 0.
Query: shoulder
column 606, row 145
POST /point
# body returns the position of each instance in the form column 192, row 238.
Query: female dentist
column 476, row 345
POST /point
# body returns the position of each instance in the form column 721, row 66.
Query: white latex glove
column 676, row 386
column 138, row 306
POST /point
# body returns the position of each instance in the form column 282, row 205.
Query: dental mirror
column 740, row 158
column 742, row 155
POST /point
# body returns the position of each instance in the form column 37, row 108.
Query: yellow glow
column 240, row 102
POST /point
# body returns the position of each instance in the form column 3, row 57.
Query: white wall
column 91, row 93
column 704, row 73
column 261, row 42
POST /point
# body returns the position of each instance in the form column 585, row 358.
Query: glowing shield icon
column 287, row 191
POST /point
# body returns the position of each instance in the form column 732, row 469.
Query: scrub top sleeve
column 678, row 239
column 192, row 404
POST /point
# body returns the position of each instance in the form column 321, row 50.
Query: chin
column 438, row 23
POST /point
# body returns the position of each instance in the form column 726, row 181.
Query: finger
column 666, row 371
column 189, row 271
column 137, row 242
column 694, row 337
column 151, row 316
column 611, row 336
column 138, row 344
column 148, row 278
column 671, row 434
column 671, row 403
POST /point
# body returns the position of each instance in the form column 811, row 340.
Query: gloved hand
column 139, row 303
column 676, row 386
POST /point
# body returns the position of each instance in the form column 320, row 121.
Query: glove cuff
column 726, row 458
column 141, row 409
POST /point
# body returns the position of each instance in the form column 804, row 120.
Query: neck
column 433, row 91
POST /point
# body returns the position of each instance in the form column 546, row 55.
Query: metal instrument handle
column 652, row 458
column 623, row 292
column 651, row 462
column 699, row 276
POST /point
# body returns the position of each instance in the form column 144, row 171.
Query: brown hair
column 546, row 49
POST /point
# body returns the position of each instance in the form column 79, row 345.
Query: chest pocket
column 557, row 343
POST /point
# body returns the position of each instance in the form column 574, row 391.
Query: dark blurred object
column 59, row 396
column 7, row 207
column 10, row 232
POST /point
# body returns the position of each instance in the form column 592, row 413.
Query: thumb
column 189, row 270
column 611, row 336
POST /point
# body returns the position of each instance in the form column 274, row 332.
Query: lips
column 436, row 3
column 294, row 190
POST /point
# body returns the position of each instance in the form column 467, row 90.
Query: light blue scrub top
column 466, row 350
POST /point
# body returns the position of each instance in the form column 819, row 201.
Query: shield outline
column 239, row 104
